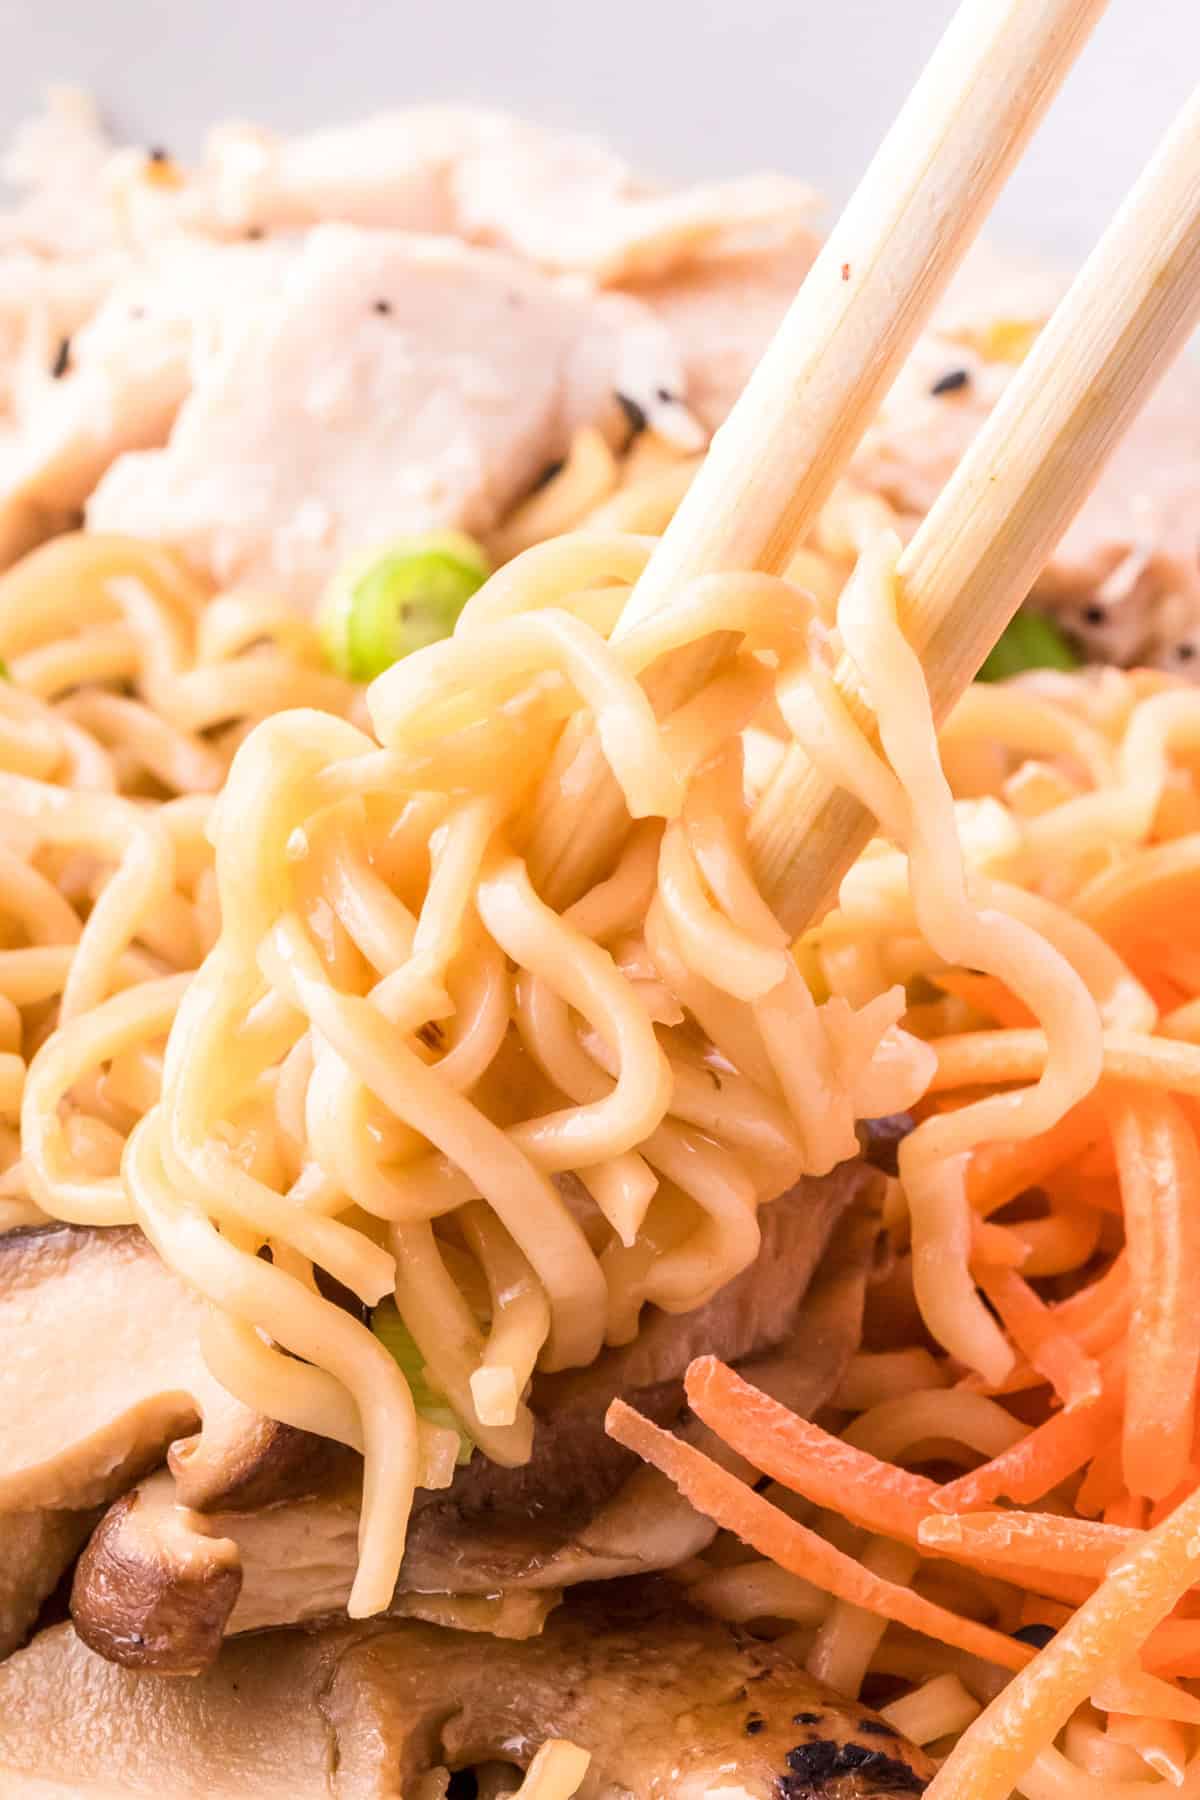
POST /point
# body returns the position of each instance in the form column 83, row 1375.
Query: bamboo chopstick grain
column 774, row 461
column 979, row 549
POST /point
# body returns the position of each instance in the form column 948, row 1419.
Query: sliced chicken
column 159, row 1584
column 556, row 199
column 1125, row 578
column 102, row 1307
column 79, row 400
column 36, row 1550
column 665, row 1702
column 396, row 383
column 722, row 314
column 56, row 163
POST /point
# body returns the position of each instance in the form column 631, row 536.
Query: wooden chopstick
column 980, row 548
column 774, row 461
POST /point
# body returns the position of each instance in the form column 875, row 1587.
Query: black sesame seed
column 806, row 1718
column 1037, row 1635
column 635, row 414
column 1093, row 615
column 1184, row 652
column 665, row 396
column 878, row 1728
column 754, row 1724
column 383, row 306
column 547, row 475
column 157, row 154
column 951, row 381
column 62, row 360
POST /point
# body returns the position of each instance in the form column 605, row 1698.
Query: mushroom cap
column 669, row 1705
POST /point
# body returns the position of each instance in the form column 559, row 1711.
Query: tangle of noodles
column 275, row 975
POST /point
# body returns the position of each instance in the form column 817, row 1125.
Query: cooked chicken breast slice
column 666, row 1703
column 80, row 399
column 394, row 384
column 558, row 199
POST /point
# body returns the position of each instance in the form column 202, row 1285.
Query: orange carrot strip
column 1145, row 1696
column 1098, row 1314
column 986, row 994
column 737, row 1508
column 1173, row 1649
column 997, row 1173
column 1103, row 1484
column 1059, row 1545
column 1060, row 1242
column 1159, row 1163
column 995, row 1246
column 1039, row 1462
column 878, row 1496
column 1105, row 1633
column 1157, row 883
column 1074, row 1376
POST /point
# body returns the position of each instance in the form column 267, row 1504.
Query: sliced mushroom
column 155, row 1588
column 36, row 1550
column 100, row 1368
column 666, row 1703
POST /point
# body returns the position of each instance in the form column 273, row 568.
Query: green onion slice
column 1030, row 641
column 381, row 607
column 401, row 1346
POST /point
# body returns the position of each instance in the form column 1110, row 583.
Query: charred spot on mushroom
column 952, row 382
column 816, row 1766
column 634, row 413
column 62, row 359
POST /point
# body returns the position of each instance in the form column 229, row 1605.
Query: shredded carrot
column 1106, row 1632
column 1074, row 1376
column 1060, row 1242
column 1159, row 1164
column 995, row 1246
column 987, row 995
column 997, row 1173
column 1097, row 1316
column 876, row 1495
column 737, row 1508
column 1040, row 1461
column 1061, row 1545
column 1159, row 883
column 1103, row 1484
column 1145, row 1696
column 844, row 1480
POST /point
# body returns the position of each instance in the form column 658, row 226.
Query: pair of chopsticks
column 793, row 431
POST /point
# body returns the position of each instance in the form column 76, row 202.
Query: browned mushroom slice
column 156, row 1587
column 99, row 1344
column 36, row 1550
column 665, row 1702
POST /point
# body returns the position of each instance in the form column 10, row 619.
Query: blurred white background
column 688, row 87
